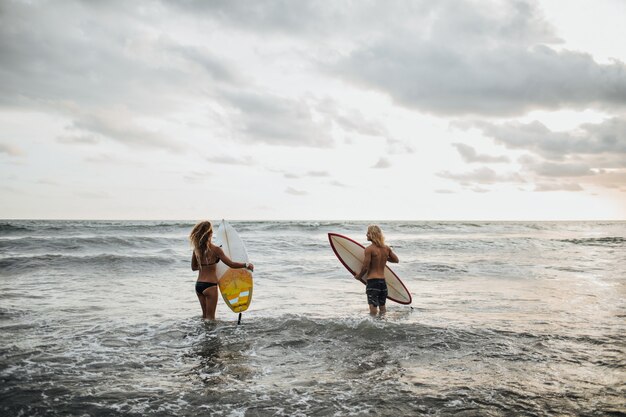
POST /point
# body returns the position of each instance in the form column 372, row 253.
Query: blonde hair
column 200, row 237
column 376, row 235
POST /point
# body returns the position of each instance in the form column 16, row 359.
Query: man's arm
column 393, row 258
column 366, row 264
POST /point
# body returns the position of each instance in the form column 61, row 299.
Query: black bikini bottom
column 201, row 286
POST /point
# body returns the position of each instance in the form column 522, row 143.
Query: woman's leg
column 202, row 304
column 210, row 299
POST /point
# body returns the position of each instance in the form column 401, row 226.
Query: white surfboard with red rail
column 351, row 254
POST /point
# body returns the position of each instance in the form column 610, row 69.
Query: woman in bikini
column 205, row 256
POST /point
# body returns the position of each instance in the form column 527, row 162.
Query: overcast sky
column 368, row 110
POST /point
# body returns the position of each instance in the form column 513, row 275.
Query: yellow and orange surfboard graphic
column 234, row 284
column 236, row 288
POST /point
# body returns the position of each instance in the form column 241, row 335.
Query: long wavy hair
column 376, row 235
column 200, row 237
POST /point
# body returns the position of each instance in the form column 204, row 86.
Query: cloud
column 609, row 179
column 119, row 126
column 196, row 177
column 447, row 57
column 292, row 175
column 61, row 59
column 469, row 155
column 61, row 53
column 351, row 120
column 590, row 154
column 559, row 169
column 336, row 183
column 493, row 61
column 230, row 160
column 317, row 174
column 323, row 20
column 293, row 191
column 482, row 175
column 108, row 159
column 215, row 67
column 444, row 191
column 543, row 187
column 10, row 150
column 276, row 120
column 82, row 139
column 382, row 163
column 494, row 82
column 480, row 190
column 606, row 137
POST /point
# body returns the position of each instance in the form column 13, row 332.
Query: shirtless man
column 376, row 256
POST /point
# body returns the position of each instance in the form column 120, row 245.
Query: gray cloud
column 277, row 120
column 83, row 59
column 216, row 68
column 542, row 187
column 484, row 61
column 561, row 169
column 336, row 183
column 318, row 174
column 291, row 175
column 610, row 179
column 482, row 175
column 591, row 154
column 196, row 177
column 10, row 150
column 351, row 120
column 606, row 137
column 469, row 154
column 293, row 191
column 230, row 160
column 479, row 190
column 120, row 127
column 84, row 139
column 314, row 174
column 382, row 163
column 110, row 159
column 282, row 18
column 61, row 52
column 500, row 81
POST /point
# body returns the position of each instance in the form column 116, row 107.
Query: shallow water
column 100, row 318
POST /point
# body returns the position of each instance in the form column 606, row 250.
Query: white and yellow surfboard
column 235, row 284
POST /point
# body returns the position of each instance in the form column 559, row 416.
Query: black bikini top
column 209, row 263
column 218, row 259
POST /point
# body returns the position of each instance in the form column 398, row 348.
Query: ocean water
column 100, row 318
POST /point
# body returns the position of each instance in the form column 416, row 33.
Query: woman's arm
column 194, row 262
column 237, row 265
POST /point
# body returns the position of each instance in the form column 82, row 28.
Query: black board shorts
column 376, row 290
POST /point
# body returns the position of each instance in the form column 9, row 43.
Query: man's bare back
column 376, row 258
